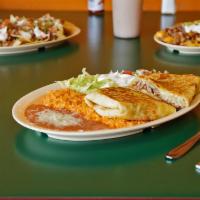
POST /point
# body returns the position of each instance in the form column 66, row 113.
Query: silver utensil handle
column 198, row 166
column 183, row 148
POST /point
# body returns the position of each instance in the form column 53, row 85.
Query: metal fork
column 183, row 148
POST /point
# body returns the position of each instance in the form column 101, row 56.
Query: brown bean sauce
column 32, row 114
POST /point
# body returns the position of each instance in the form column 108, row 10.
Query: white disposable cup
column 126, row 18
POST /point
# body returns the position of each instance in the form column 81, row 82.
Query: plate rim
column 105, row 133
column 183, row 49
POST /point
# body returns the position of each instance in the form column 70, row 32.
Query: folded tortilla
column 125, row 103
column 177, row 90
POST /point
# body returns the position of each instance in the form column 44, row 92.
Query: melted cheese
column 25, row 35
column 57, row 119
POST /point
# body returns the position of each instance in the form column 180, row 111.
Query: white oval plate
column 178, row 48
column 20, row 106
column 30, row 47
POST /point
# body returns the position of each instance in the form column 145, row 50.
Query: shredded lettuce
column 86, row 83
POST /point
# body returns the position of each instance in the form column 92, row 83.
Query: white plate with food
column 21, row 35
column 178, row 48
column 183, row 38
column 94, row 107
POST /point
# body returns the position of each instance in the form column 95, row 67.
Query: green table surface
column 32, row 165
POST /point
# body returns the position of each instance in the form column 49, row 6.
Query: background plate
column 20, row 106
column 69, row 27
column 178, row 48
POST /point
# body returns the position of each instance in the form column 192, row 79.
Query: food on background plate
column 114, row 100
column 17, row 31
column 177, row 90
column 184, row 34
column 125, row 103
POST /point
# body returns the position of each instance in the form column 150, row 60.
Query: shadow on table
column 163, row 56
column 39, row 148
column 40, row 55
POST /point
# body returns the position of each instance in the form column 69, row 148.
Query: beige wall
column 187, row 5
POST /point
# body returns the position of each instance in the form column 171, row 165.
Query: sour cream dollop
column 3, row 34
column 192, row 28
column 40, row 34
column 122, row 80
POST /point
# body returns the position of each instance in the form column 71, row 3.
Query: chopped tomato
column 127, row 72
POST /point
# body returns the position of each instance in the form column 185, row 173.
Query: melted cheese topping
column 57, row 119
column 25, row 35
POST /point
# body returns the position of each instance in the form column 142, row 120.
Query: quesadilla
column 177, row 90
column 125, row 103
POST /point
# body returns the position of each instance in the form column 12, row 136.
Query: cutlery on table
column 198, row 166
column 183, row 148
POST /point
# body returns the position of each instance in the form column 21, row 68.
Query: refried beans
column 60, row 119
